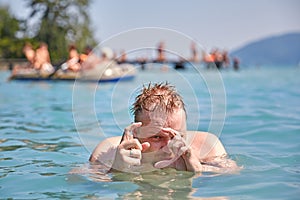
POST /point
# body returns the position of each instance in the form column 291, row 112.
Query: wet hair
column 28, row 45
column 72, row 47
column 43, row 44
column 159, row 96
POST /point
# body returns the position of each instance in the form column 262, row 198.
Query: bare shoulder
column 200, row 136
column 212, row 153
column 105, row 146
column 207, row 143
column 109, row 142
column 113, row 140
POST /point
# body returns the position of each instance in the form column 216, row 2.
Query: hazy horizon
column 224, row 24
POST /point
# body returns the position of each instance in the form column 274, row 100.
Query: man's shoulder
column 206, row 143
column 105, row 147
column 200, row 137
column 201, row 134
column 109, row 142
column 112, row 140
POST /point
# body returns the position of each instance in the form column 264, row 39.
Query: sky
column 226, row 24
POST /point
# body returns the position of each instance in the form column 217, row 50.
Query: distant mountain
column 276, row 50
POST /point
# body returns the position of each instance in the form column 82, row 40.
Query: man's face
column 152, row 124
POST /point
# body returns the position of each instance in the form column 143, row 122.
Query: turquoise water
column 47, row 130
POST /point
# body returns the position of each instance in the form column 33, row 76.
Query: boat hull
column 98, row 74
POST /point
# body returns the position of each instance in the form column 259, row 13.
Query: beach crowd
column 39, row 59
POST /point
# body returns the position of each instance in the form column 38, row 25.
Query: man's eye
column 156, row 137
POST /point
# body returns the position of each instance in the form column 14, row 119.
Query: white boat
column 103, row 72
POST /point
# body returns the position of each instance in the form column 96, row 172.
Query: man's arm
column 213, row 155
column 213, row 146
column 105, row 150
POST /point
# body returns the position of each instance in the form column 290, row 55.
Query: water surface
column 47, row 130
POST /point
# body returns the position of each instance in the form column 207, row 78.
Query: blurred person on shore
column 42, row 59
column 73, row 62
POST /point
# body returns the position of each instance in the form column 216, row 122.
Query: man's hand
column 179, row 148
column 129, row 151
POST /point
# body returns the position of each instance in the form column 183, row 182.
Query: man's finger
column 135, row 153
column 171, row 132
column 132, row 144
column 164, row 163
column 132, row 161
column 145, row 146
column 127, row 134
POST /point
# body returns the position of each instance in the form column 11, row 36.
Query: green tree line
column 59, row 23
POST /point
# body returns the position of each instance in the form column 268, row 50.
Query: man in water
column 158, row 139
